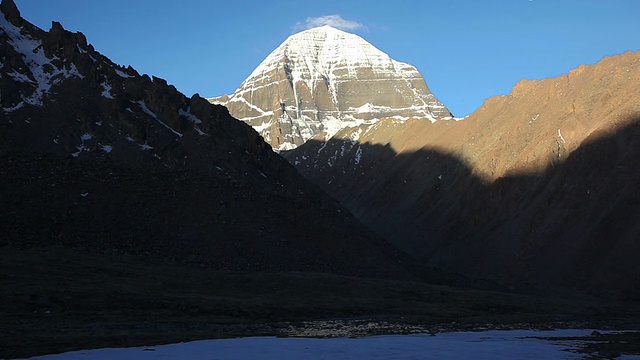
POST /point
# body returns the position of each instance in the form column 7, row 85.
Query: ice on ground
column 515, row 344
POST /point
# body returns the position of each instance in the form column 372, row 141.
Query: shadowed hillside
column 574, row 224
column 96, row 156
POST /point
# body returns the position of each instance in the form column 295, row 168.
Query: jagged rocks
column 11, row 12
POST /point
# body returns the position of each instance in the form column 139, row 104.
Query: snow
column 84, row 137
column 285, row 146
column 322, row 59
column 358, row 157
column 243, row 100
column 325, row 51
column 80, row 148
column 106, row 90
column 194, row 119
column 144, row 108
column 145, row 146
column 516, row 344
column 261, row 128
column 123, row 74
column 14, row 108
column 331, row 56
column 19, row 77
column 200, row 132
column 36, row 60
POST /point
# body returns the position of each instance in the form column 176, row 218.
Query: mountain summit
column 319, row 81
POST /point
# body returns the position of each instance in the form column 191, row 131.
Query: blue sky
column 467, row 50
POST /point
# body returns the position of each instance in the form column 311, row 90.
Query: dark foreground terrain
column 57, row 299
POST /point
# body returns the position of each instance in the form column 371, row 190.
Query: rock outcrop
column 322, row 80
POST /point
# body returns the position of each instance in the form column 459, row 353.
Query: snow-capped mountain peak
column 322, row 80
column 325, row 48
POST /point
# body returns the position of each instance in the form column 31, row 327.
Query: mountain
column 320, row 81
column 536, row 186
column 96, row 156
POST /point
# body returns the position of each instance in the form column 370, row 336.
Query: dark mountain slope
column 537, row 186
column 574, row 225
column 96, row 156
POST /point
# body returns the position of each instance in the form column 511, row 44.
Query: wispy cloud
column 337, row 21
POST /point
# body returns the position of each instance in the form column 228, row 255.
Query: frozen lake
column 512, row 344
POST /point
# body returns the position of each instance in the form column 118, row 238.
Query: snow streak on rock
column 40, row 70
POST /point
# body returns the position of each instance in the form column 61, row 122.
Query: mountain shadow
column 574, row 225
column 96, row 156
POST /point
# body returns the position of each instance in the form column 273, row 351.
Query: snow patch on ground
column 515, row 344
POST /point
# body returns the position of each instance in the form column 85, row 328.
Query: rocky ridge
column 318, row 82
column 97, row 156
column 536, row 186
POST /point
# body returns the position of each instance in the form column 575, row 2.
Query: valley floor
column 57, row 299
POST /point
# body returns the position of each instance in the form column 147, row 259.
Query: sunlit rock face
column 322, row 80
